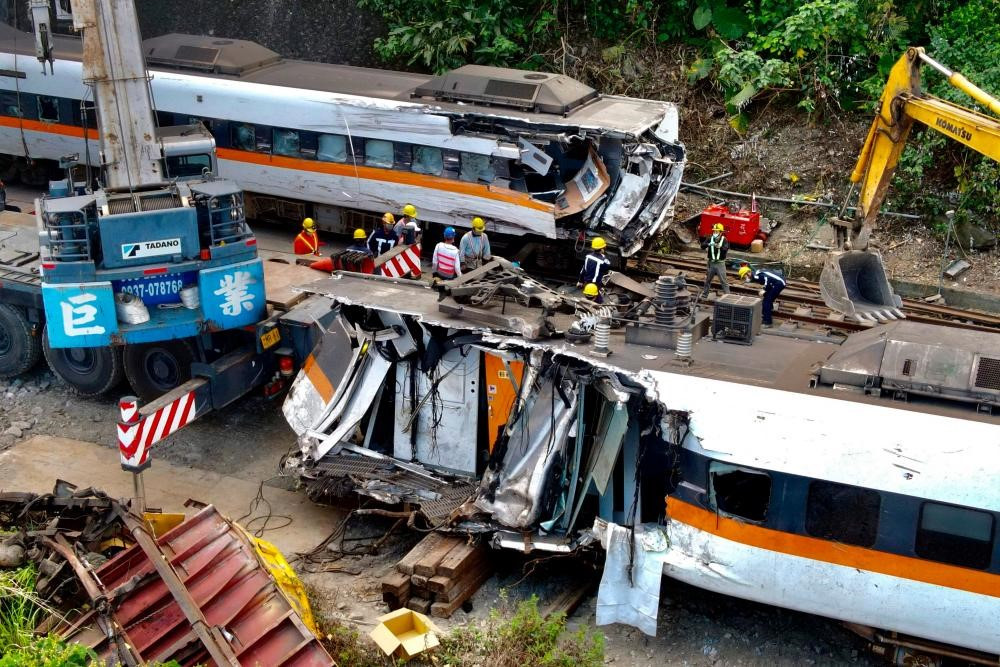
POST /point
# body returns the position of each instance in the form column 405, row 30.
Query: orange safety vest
column 306, row 243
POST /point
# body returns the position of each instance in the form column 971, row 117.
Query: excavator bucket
column 855, row 283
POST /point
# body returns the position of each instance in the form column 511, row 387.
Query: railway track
column 801, row 300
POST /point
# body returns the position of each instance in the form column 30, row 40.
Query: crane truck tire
column 89, row 371
column 153, row 369
column 20, row 349
column 854, row 282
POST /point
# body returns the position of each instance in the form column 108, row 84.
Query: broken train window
column 477, row 168
column 741, row 492
column 955, row 535
column 843, row 513
column 428, row 160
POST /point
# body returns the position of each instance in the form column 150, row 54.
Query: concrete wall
column 333, row 31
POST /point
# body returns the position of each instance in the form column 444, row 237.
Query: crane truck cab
column 188, row 152
column 854, row 281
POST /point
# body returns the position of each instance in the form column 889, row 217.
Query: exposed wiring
column 266, row 517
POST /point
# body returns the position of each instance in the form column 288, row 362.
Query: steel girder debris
column 204, row 592
column 200, row 593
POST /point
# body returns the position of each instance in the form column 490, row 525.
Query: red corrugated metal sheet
column 226, row 582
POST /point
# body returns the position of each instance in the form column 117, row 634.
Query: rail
column 801, row 300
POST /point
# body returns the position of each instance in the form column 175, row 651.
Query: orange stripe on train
column 386, row 176
column 44, row 126
column 835, row 553
column 332, row 168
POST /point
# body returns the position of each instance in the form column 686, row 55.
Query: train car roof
column 531, row 97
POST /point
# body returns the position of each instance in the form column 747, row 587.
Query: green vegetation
column 825, row 57
column 20, row 612
column 522, row 638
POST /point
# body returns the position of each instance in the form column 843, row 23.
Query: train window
column 308, row 144
column 286, row 142
column 263, row 136
column 48, row 108
column 955, row 535
column 9, row 105
column 332, row 148
column 379, row 153
column 476, row 168
column 741, row 492
column 843, row 513
column 428, row 160
column 242, row 136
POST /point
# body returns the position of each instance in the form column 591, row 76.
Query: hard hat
column 598, row 243
column 389, row 219
column 744, row 270
column 359, row 234
column 478, row 224
column 590, row 289
column 717, row 227
column 449, row 232
column 308, row 223
column 410, row 211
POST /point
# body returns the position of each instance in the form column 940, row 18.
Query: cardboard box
column 404, row 634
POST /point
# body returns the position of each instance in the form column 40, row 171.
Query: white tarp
column 633, row 600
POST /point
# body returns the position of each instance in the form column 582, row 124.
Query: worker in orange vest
column 307, row 242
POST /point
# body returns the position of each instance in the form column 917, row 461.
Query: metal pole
column 138, row 493
column 947, row 242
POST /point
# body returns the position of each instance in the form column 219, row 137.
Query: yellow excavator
column 854, row 281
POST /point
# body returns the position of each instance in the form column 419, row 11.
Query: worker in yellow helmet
column 596, row 265
column 360, row 242
column 773, row 282
column 383, row 238
column 717, row 247
column 407, row 230
column 307, row 242
column 592, row 293
column 474, row 248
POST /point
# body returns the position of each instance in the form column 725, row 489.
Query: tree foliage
column 824, row 56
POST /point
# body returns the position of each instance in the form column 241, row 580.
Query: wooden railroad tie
column 438, row 575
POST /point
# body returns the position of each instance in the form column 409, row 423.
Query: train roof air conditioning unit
column 736, row 318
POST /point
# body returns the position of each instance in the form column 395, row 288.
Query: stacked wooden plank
column 438, row 575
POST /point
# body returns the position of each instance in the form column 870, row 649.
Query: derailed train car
column 537, row 155
column 783, row 472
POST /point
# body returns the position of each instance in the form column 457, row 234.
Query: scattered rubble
column 218, row 593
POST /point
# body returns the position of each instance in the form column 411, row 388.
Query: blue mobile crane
column 154, row 270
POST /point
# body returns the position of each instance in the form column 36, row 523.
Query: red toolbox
column 742, row 226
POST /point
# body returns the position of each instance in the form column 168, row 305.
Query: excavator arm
column 854, row 281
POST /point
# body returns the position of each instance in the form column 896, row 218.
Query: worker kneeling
column 474, row 247
column 773, row 283
column 360, row 243
column 592, row 293
column 307, row 242
column 445, row 263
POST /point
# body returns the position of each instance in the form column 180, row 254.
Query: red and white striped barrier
column 137, row 435
column 405, row 262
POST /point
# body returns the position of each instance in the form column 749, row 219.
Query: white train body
column 898, row 466
column 315, row 139
column 791, row 477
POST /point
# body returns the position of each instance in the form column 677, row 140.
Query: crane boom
column 114, row 64
column 854, row 281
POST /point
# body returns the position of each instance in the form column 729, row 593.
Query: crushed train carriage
column 790, row 474
column 539, row 155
